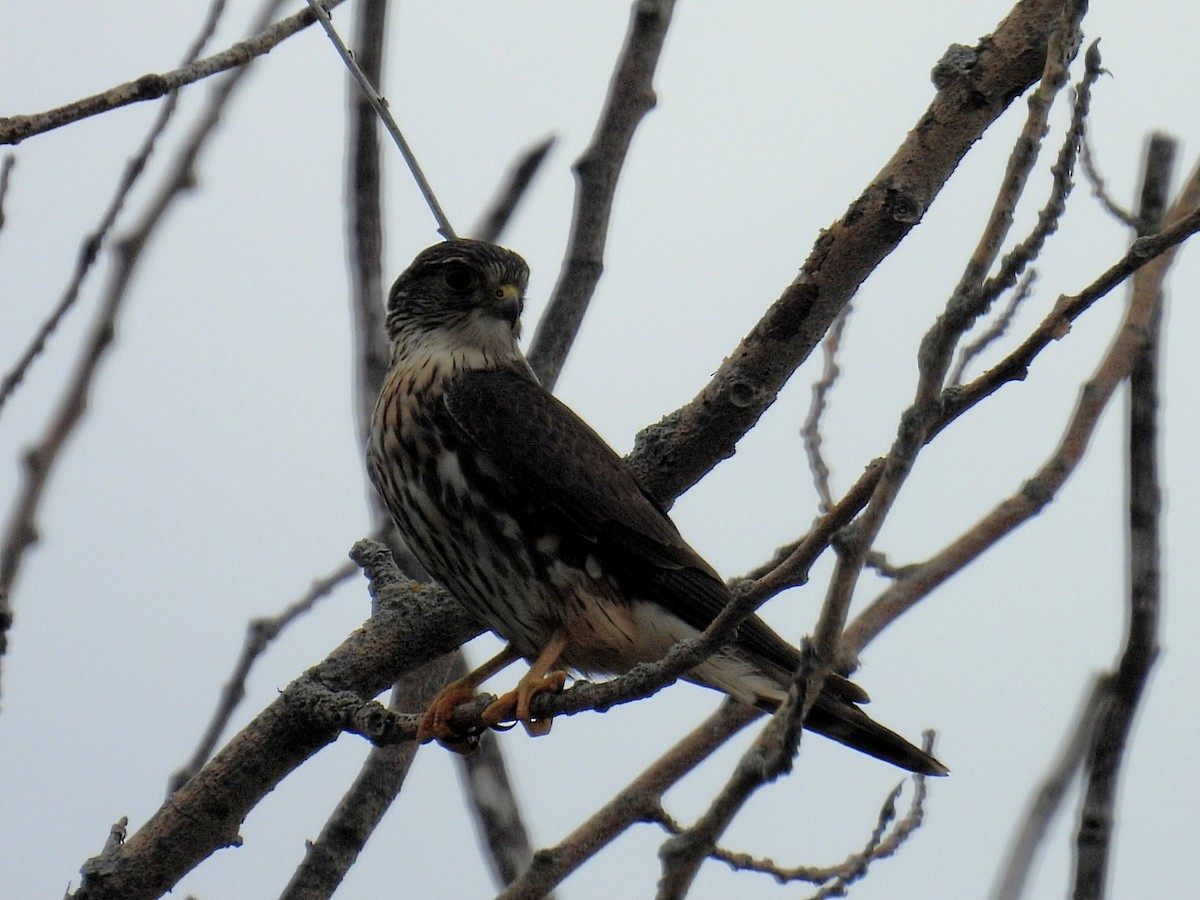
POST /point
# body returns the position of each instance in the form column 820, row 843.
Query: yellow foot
column 515, row 705
column 435, row 724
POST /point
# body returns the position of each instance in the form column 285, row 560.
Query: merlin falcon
column 522, row 512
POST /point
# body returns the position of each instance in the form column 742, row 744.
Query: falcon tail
column 845, row 723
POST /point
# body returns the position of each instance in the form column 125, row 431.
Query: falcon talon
column 537, row 527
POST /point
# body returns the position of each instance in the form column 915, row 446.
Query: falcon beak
column 508, row 303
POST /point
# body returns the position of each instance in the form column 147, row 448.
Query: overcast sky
column 217, row 472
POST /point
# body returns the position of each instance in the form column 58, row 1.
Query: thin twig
column 996, row 330
column 14, row 129
column 630, row 97
column 822, row 387
column 500, row 210
column 637, row 802
column 1100, row 188
column 880, row 843
column 21, row 531
column 389, row 122
column 1157, row 250
column 259, row 635
column 1020, row 257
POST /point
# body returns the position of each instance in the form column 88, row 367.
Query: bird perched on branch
column 519, row 509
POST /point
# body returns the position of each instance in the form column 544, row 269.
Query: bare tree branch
column 367, row 86
column 822, row 387
column 14, row 129
column 1124, row 688
column 630, row 97
column 498, row 213
column 1040, row 489
column 413, row 625
column 93, row 243
column 6, row 165
column 674, row 454
column 640, row 801
column 880, row 844
column 935, row 353
column 996, row 330
column 21, row 531
column 365, row 224
column 1100, row 188
column 259, row 635
column 330, row 856
column 1046, row 800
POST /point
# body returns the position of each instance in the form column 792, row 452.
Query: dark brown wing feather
column 580, row 484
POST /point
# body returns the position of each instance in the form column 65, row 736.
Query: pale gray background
column 217, row 472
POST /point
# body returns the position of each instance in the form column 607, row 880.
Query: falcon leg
column 538, row 680
column 435, row 722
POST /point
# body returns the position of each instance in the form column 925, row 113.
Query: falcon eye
column 458, row 277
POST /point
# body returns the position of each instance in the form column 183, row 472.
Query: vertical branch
column 1123, row 689
column 365, row 220
column 10, row 159
column 630, row 97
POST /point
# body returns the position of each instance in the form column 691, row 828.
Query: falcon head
column 460, row 296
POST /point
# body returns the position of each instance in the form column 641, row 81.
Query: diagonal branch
column 500, row 211
column 937, row 347
column 259, row 635
column 974, row 88
column 1039, row 490
column 14, row 129
column 630, row 97
column 412, row 626
column 639, row 801
column 21, row 531
column 1047, row 800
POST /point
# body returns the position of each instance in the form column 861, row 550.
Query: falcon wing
column 559, row 464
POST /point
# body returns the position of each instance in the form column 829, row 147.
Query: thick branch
column 413, row 625
column 674, row 454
